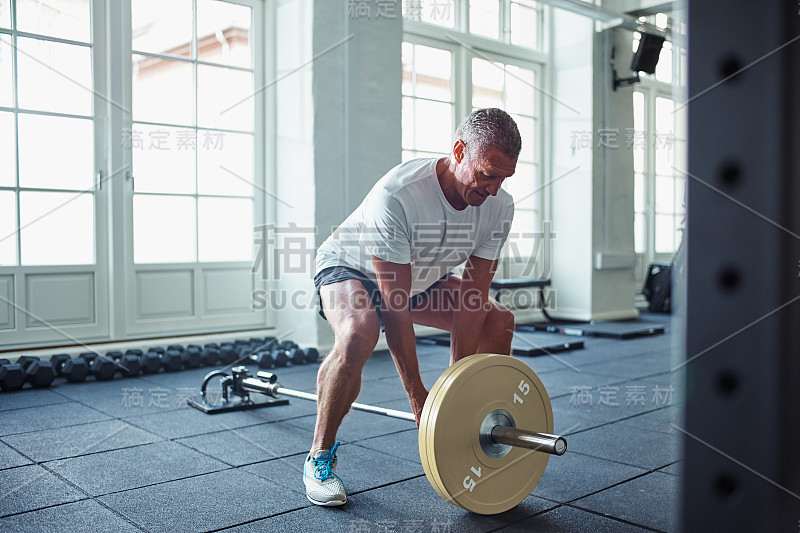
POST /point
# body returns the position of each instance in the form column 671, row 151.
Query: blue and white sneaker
column 323, row 485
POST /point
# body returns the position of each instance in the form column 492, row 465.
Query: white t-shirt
column 406, row 218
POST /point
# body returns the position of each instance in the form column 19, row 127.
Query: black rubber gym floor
column 128, row 455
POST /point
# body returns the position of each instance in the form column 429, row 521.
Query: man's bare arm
column 394, row 282
column 468, row 322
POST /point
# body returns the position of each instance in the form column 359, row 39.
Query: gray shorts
column 329, row 275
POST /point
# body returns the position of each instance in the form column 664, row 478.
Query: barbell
column 480, row 442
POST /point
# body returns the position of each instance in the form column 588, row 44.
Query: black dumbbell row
column 266, row 353
column 273, row 354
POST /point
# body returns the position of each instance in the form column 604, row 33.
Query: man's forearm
column 402, row 345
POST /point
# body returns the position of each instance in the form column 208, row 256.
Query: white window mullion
column 505, row 21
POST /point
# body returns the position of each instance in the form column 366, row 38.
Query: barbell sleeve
column 522, row 438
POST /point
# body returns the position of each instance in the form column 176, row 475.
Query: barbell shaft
column 393, row 413
column 541, row 442
column 522, row 438
column 276, row 390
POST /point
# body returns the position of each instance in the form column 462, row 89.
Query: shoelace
column 324, row 464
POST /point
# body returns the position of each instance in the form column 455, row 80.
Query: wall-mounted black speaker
column 646, row 56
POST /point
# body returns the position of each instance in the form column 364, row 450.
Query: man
column 388, row 266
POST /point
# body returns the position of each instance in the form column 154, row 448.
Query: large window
column 488, row 57
column 428, row 100
column 658, row 188
column 659, row 150
column 46, row 119
column 511, row 21
column 137, row 119
column 516, row 22
column 193, row 132
column 509, row 87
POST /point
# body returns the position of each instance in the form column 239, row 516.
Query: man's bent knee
column 357, row 338
column 357, row 341
column 501, row 320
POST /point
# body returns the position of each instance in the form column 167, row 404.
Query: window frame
column 24, row 327
column 197, row 320
column 453, row 49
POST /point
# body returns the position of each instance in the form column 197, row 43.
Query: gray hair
column 489, row 127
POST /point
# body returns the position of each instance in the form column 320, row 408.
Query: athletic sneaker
column 323, row 485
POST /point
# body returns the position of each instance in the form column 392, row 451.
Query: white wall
column 357, row 112
column 613, row 285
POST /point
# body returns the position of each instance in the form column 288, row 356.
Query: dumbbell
column 288, row 345
column 37, row 372
column 40, row 373
column 263, row 359
column 103, row 368
column 270, row 343
column 296, row 356
column 133, row 364
column 12, row 376
column 58, row 361
column 312, row 355
column 192, row 357
column 280, row 357
column 134, row 351
column 89, row 357
column 172, row 360
column 130, row 364
column 75, row 370
column 262, row 346
column 210, row 354
column 227, row 353
column 243, row 348
column 151, row 362
column 25, row 360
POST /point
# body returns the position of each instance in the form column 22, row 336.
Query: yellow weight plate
column 436, row 394
column 426, row 436
column 456, row 461
column 440, row 390
column 424, row 432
